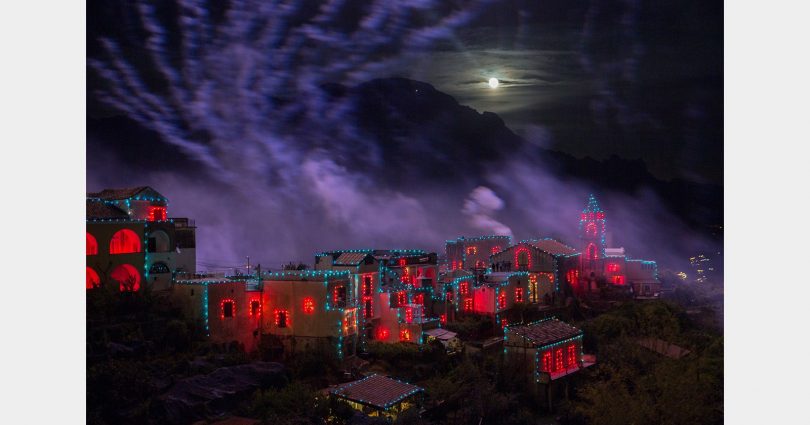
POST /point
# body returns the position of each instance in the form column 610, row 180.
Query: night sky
column 278, row 126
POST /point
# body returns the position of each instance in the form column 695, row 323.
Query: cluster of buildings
column 351, row 297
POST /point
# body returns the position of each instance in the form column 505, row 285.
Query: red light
column 495, row 249
column 504, row 323
column 450, row 296
column 419, row 299
column 572, row 355
column 443, row 319
column 519, row 295
column 405, row 335
column 471, row 250
column 367, row 285
column 93, row 280
column 125, row 241
column 309, row 305
column 127, row 277
column 502, row 301
column 157, row 213
column 546, row 365
column 558, row 359
column 408, row 315
column 468, row 304
column 255, row 308
column 590, row 229
column 227, row 308
column 520, row 250
column 402, row 262
column 382, row 333
column 92, row 245
column 282, row 318
column 401, row 298
column 463, row 288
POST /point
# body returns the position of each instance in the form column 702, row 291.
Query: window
column 93, row 280
column 255, row 308
column 471, row 250
column 128, row 278
column 468, row 304
column 367, row 286
column 159, row 267
column 382, row 333
column 558, row 359
column 227, row 308
column 402, row 262
column 523, row 259
column 282, row 318
column 159, row 241
column 402, row 298
column 495, row 249
column 339, row 295
column 405, row 335
column 157, row 213
column 591, row 252
column 518, row 295
column 309, row 305
column 502, row 301
column 125, row 241
column 546, row 362
column 613, row 267
column 449, row 296
column 590, row 229
column 408, row 315
column 92, row 245
column 504, row 323
column 419, row 299
column 367, row 311
column 480, row 264
column 572, row 355
column 443, row 319
column 463, row 288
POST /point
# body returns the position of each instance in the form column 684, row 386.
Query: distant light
column 493, row 83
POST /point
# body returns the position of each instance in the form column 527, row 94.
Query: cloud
column 480, row 207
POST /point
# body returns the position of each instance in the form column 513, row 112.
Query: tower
column 592, row 230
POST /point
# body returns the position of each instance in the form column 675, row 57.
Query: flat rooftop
column 376, row 391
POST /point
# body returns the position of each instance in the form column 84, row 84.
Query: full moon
column 493, row 82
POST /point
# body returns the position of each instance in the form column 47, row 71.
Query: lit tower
column 592, row 230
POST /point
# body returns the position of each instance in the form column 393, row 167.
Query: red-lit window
column 408, row 315
column 518, row 295
column 523, row 258
column 590, row 229
column 480, row 264
column 128, row 278
column 402, row 298
column 339, row 294
column 157, row 213
column 449, row 296
column 504, row 323
column 583, row 216
column 92, row 245
column 600, row 216
column 558, row 359
column 468, row 304
column 502, row 301
column 471, row 250
column 546, row 362
column 402, row 262
column 572, row 355
column 282, row 318
column 93, row 280
column 495, row 249
column 309, row 305
column 591, row 252
column 367, row 286
column 382, row 333
column 125, row 241
column 419, row 299
column 255, row 308
column 463, row 288
column 227, row 308
column 572, row 276
column 613, row 267
column 368, row 312
column 405, row 335
column 443, row 319
column 618, row 280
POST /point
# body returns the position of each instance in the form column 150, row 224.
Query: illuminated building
column 131, row 243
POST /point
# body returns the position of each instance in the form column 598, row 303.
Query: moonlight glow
column 493, row 83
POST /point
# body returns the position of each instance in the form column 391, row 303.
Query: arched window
column 159, row 267
column 159, row 241
column 590, row 229
column 128, row 278
column 125, row 241
column 591, row 252
column 92, row 245
column 92, row 279
column 523, row 259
